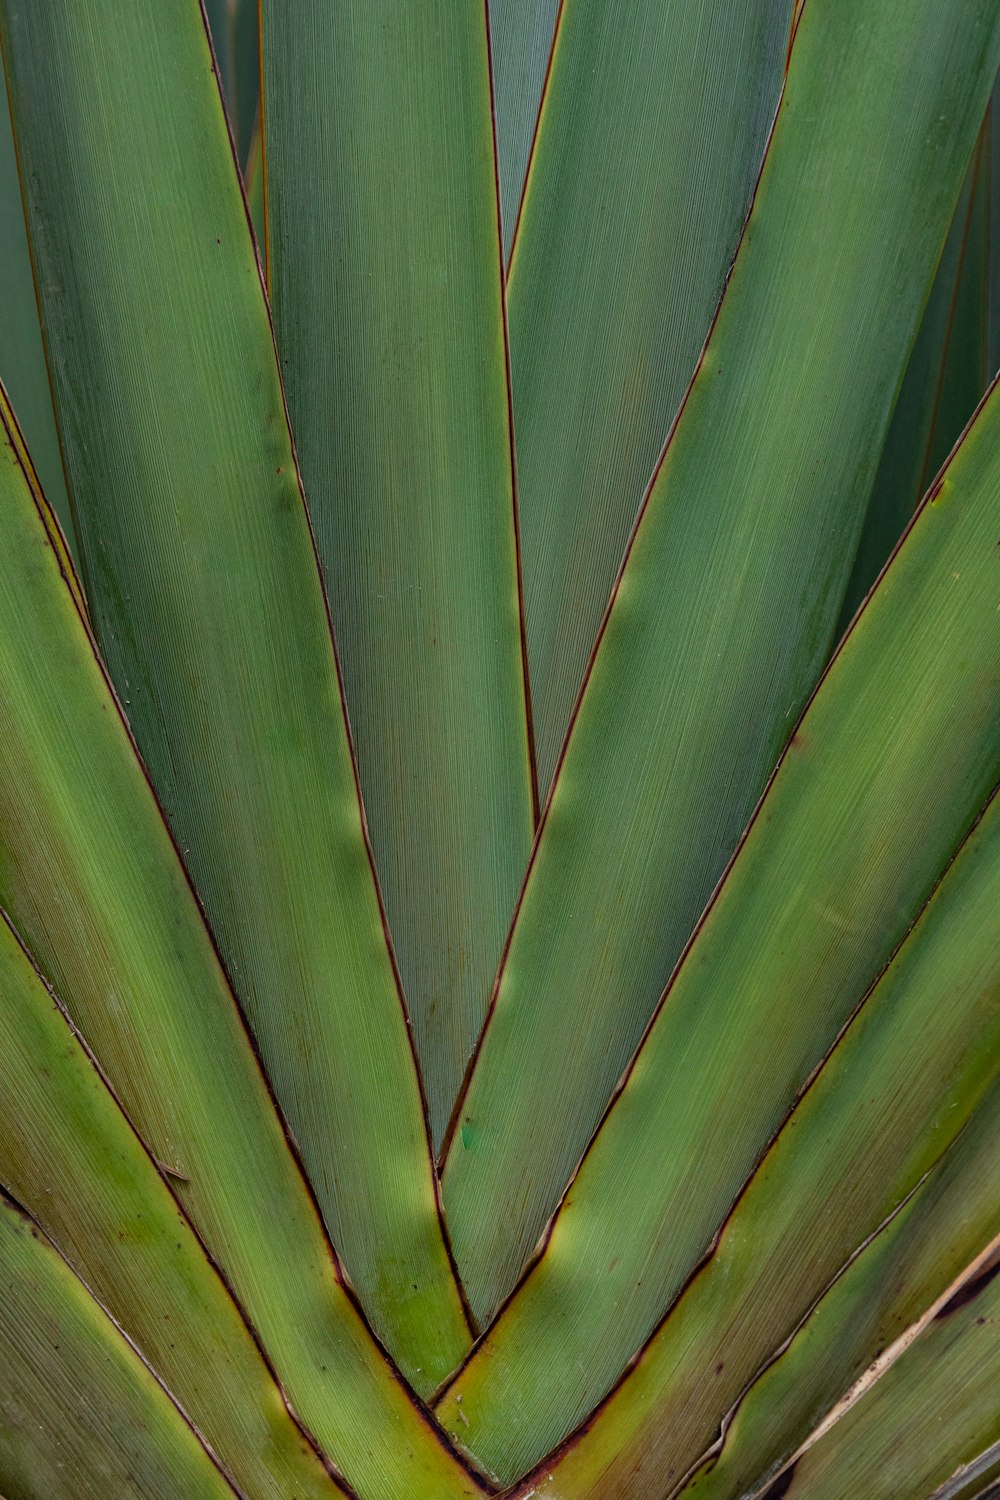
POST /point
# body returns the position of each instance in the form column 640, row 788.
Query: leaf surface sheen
column 724, row 611
column 209, row 610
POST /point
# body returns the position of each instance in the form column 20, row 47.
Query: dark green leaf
column 521, row 36
column 652, row 132
column 385, row 277
column 22, row 358
column 944, row 380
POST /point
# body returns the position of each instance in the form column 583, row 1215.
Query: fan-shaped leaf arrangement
column 500, row 667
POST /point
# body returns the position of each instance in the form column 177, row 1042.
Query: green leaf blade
column 77, row 1405
column 522, row 35
column 209, row 609
column 907, row 1267
column 917, row 1069
column 945, row 378
column 234, row 31
column 393, row 354
column 23, row 369
column 653, row 126
column 890, row 764
column 760, row 492
column 94, row 885
column 926, row 1422
column 70, row 1157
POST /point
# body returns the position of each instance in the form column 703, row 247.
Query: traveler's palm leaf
column 493, row 997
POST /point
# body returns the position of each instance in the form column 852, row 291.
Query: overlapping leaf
column 22, row 358
column 68, row 1154
column 728, row 599
column 890, row 764
column 929, row 1429
column 919, row 1065
column 650, row 139
column 522, row 33
column 95, row 887
column 82, row 1415
column 386, row 283
column 209, row 610
column 946, row 376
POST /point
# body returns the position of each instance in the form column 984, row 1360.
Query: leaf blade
column 945, row 378
column 673, row 741
column 653, row 126
column 875, row 1129
column 23, row 372
column 931, row 1414
column 207, row 603
column 394, row 360
column 123, row 943
column 890, row 764
column 907, row 1267
column 522, row 36
column 69, row 1156
column 76, row 1398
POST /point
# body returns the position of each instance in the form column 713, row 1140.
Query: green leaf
column 725, row 608
column 80, row 1413
column 652, row 132
column 68, row 1154
column 255, row 193
column 993, row 252
column 96, row 889
column 385, row 279
column 234, row 29
column 522, row 34
column 894, row 757
column 944, row 380
column 209, row 610
column 925, row 1421
column 22, row 357
column 57, row 537
column 916, row 1065
column 908, row 1265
